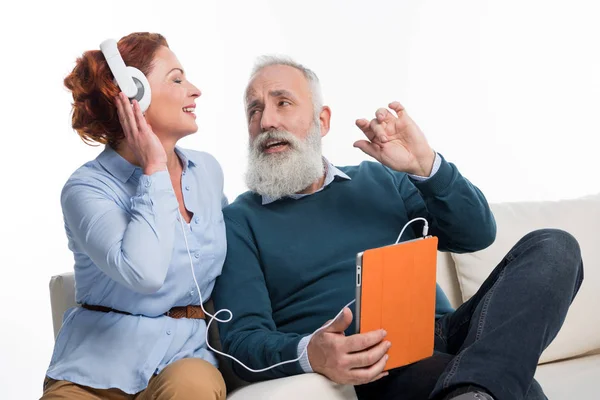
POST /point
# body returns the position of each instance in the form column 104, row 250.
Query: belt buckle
column 168, row 313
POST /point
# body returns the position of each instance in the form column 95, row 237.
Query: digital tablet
column 395, row 291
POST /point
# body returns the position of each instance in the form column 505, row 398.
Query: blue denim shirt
column 124, row 230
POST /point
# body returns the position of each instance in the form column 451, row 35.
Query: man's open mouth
column 275, row 145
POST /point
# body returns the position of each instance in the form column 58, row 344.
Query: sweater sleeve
column 251, row 336
column 457, row 211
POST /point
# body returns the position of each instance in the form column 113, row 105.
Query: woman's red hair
column 91, row 82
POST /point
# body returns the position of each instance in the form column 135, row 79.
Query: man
column 293, row 239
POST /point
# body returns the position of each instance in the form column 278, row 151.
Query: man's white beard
column 282, row 174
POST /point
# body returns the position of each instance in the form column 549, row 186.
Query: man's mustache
column 264, row 138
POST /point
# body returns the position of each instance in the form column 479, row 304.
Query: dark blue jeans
column 495, row 339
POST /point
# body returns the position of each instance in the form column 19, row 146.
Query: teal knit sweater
column 290, row 264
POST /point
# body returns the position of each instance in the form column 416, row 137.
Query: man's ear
column 324, row 118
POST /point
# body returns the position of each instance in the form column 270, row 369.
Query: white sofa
column 569, row 368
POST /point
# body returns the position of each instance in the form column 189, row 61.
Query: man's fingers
column 366, row 358
column 364, row 126
column 365, row 375
column 397, row 107
column 362, row 123
column 363, row 341
column 378, row 129
column 369, row 148
column 341, row 323
column 378, row 377
column 384, row 115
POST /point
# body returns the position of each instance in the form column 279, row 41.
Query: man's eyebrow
column 273, row 93
column 281, row 93
column 253, row 104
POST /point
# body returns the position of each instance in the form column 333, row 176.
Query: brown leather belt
column 194, row 312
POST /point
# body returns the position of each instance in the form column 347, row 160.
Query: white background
column 508, row 90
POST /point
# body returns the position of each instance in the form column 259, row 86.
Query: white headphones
column 130, row 80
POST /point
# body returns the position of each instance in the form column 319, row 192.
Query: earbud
column 130, row 80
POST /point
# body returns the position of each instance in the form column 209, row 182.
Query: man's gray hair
column 313, row 81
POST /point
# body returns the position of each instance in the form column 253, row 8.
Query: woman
column 123, row 212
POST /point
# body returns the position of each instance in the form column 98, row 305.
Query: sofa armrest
column 62, row 297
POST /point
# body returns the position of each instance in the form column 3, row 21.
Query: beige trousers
column 186, row 379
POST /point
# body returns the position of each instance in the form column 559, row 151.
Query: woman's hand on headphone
column 144, row 144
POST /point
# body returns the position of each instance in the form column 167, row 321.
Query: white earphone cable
column 425, row 227
column 214, row 317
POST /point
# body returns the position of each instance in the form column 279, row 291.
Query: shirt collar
column 185, row 158
column 331, row 172
column 123, row 170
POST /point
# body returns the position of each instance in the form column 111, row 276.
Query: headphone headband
column 130, row 80
column 118, row 68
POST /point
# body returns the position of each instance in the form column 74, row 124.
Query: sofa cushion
column 570, row 379
column 580, row 217
column 447, row 279
column 299, row 387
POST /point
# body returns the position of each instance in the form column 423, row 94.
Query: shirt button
column 187, row 188
column 197, row 255
column 148, row 183
column 178, row 219
column 169, row 332
column 197, row 220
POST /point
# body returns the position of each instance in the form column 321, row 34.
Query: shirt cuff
column 436, row 166
column 303, row 349
column 158, row 181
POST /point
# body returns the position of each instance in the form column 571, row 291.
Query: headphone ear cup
column 144, row 94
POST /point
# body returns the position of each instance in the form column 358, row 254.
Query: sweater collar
column 331, row 172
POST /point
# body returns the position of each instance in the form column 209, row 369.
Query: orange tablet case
column 396, row 288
